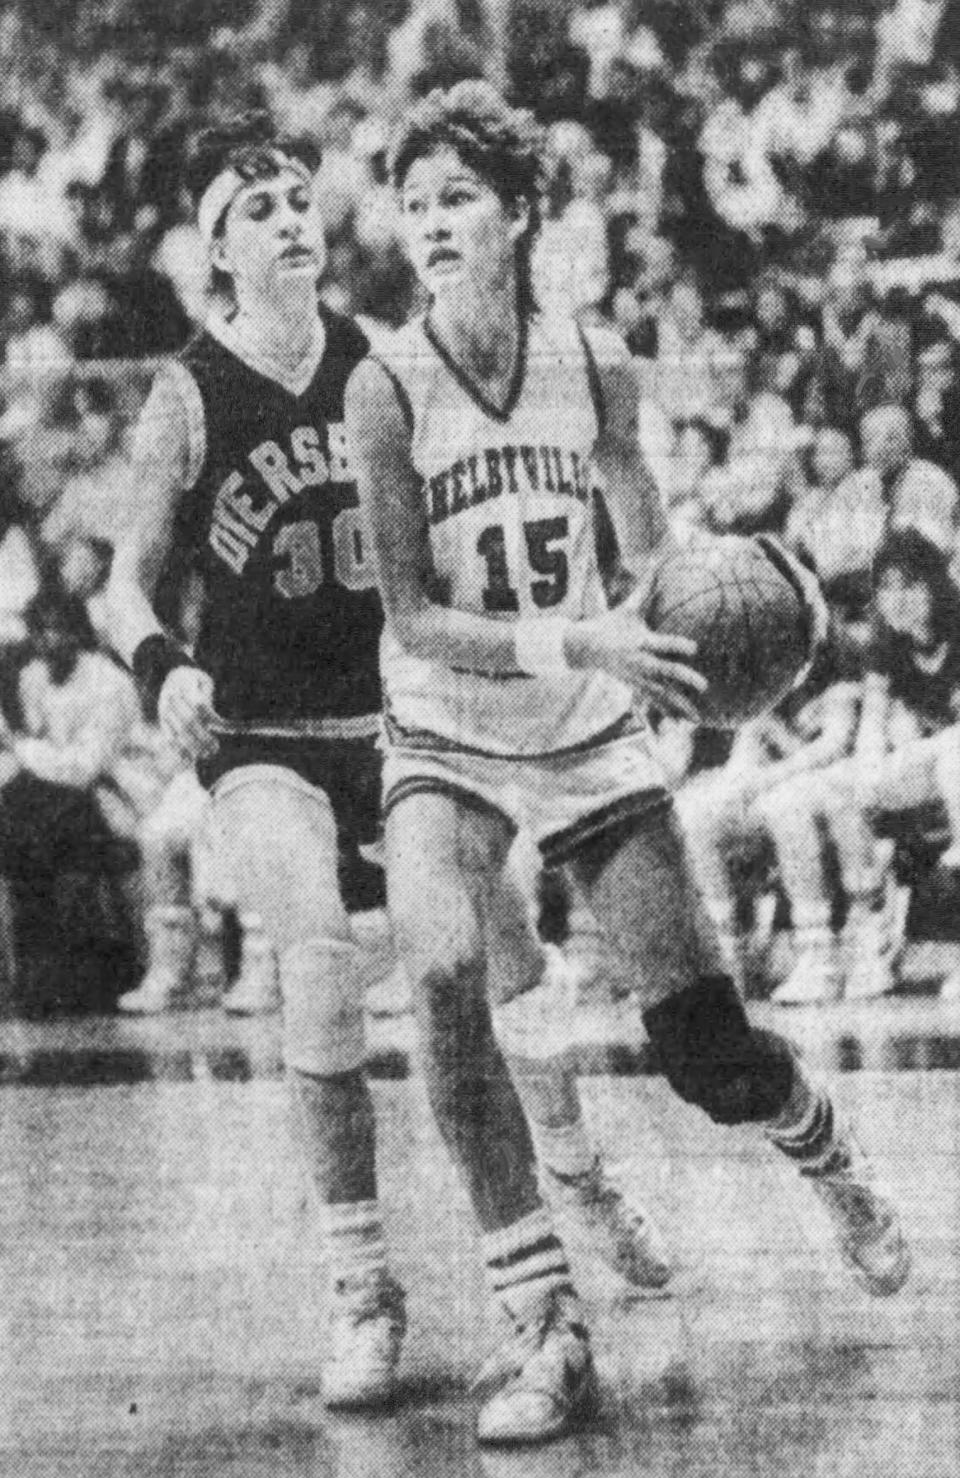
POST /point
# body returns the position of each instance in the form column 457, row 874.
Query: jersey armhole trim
column 188, row 390
column 593, row 380
column 399, row 388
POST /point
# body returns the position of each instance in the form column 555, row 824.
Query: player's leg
column 641, row 887
column 533, row 992
column 714, row 817
column 444, row 854
column 792, row 815
column 171, row 927
column 279, row 842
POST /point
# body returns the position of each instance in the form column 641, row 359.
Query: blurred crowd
column 762, row 195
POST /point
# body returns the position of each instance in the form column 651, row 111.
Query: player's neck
column 283, row 327
column 482, row 333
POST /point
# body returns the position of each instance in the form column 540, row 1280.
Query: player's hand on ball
column 655, row 664
column 186, row 713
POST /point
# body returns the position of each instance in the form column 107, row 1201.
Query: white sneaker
column 161, row 989
column 550, row 1380
column 610, row 1225
column 256, row 990
column 872, row 1243
column 815, row 980
column 367, row 1325
column 872, row 949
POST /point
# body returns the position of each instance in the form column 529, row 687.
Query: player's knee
column 712, row 1057
column 323, row 1026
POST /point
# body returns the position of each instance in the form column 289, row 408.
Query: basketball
column 742, row 603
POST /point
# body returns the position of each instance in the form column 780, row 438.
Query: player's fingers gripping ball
column 755, row 614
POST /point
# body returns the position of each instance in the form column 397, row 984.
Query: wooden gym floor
column 161, row 1304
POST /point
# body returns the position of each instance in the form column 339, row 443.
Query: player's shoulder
column 607, row 346
column 346, row 337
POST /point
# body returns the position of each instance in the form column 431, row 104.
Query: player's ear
column 219, row 256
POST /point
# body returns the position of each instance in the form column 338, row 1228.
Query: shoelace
column 511, row 1356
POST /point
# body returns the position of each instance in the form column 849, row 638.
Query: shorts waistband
column 425, row 739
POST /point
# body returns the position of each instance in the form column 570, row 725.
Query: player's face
column 458, row 230
column 273, row 234
column 905, row 605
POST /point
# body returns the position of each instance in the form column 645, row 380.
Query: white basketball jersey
column 509, row 512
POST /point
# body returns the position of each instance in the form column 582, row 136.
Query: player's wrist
column 540, row 646
column 580, row 645
column 153, row 661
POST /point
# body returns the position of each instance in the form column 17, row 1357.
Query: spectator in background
column 571, row 268
column 76, row 708
column 97, row 487
column 936, row 405
column 864, row 357
column 689, row 355
column 892, row 490
column 758, row 795
column 781, row 347
column 828, row 461
column 906, row 753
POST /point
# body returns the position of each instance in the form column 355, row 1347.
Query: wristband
column 153, row 661
column 539, row 646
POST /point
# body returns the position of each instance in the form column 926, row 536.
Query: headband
column 224, row 188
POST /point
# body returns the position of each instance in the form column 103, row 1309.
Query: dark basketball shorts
column 349, row 774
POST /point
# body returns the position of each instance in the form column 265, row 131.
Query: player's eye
column 414, row 205
column 259, row 207
column 300, row 201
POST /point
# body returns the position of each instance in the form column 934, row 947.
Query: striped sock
column 355, row 1244
column 806, row 1130
column 526, row 1263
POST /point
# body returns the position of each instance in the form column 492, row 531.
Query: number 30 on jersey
column 299, row 547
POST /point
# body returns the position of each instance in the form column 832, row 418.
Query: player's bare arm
column 159, row 475
column 391, row 494
column 656, row 666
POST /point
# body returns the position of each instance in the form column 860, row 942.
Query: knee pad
column 322, row 990
column 712, row 1057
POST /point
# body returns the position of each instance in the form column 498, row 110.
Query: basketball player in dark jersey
column 241, row 472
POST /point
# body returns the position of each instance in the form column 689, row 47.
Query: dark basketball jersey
column 291, row 620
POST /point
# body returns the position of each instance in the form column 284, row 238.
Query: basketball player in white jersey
column 510, row 689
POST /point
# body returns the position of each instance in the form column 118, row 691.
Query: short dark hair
column 252, row 146
column 920, row 561
column 504, row 145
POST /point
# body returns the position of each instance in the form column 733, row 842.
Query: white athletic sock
column 525, row 1263
column 355, row 1244
column 563, row 1148
column 805, row 1130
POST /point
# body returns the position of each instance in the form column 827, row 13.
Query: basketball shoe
column 605, row 1221
column 256, row 990
column 548, row 1381
column 817, row 976
column 873, row 939
column 171, row 932
column 367, row 1325
column 866, row 1224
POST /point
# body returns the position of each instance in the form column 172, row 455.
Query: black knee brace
column 712, row 1057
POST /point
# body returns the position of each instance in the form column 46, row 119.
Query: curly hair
column 501, row 144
